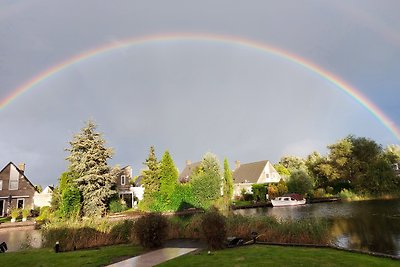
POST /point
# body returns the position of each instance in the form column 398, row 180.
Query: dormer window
column 123, row 179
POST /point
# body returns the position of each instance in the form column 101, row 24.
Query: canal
column 372, row 225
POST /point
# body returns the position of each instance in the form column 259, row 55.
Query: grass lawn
column 261, row 255
column 91, row 257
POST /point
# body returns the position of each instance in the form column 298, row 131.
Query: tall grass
column 269, row 229
column 101, row 232
column 88, row 234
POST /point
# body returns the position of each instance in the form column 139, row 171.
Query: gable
column 249, row 172
column 12, row 174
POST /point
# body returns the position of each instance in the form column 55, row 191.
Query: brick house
column 16, row 191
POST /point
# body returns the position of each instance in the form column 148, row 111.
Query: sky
column 198, row 94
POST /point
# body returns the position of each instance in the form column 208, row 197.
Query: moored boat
column 288, row 200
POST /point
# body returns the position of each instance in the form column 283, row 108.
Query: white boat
column 288, row 200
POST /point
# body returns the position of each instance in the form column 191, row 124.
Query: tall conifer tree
column 88, row 160
column 151, row 176
column 168, row 175
column 228, row 181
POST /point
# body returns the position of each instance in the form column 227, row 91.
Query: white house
column 44, row 198
column 247, row 174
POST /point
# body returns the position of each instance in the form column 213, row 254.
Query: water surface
column 372, row 225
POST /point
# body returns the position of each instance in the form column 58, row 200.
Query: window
column 20, row 203
column 123, row 179
column 14, row 179
column 1, row 184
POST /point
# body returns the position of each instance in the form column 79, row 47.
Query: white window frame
column 123, row 179
column 1, row 185
column 23, row 202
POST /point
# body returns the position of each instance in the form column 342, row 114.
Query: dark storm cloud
column 192, row 97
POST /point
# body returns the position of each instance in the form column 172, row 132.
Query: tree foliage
column 292, row 163
column 228, row 181
column 151, row 176
column 300, row 182
column 168, row 176
column 88, row 160
column 206, row 181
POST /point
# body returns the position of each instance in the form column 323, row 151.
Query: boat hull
column 283, row 203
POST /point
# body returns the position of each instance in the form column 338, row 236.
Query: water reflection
column 366, row 225
column 20, row 238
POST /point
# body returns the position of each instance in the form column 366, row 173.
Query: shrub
column 347, row 194
column 116, row 206
column 151, row 230
column 44, row 214
column 259, row 191
column 213, row 227
column 320, row 192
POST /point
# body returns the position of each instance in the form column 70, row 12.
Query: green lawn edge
column 90, row 257
column 265, row 255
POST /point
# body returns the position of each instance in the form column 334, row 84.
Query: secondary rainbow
column 230, row 40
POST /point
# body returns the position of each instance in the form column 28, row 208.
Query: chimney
column 21, row 167
column 237, row 164
column 188, row 162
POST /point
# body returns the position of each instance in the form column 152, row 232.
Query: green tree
column 392, row 152
column 283, row 172
column 318, row 167
column 88, row 160
column 292, row 163
column 70, row 196
column 206, row 182
column 70, row 202
column 151, row 176
column 228, row 182
column 168, row 175
column 300, row 182
column 282, row 187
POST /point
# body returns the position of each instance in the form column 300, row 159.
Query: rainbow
column 224, row 39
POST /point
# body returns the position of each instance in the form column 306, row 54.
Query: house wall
column 42, row 199
column 25, row 190
column 237, row 188
column 127, row 172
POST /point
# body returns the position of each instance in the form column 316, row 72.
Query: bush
column 347, row 194
column 259, row 191
column 151, row 230
column 116, row 206
column 44, row 214
column 320, row 192
column 213, row 227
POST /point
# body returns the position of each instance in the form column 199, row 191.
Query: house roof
column 20, row 172
column 187, row 171
column 249, row 172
